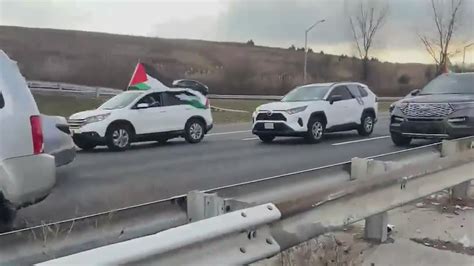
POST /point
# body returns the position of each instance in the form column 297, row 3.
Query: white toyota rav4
column 151, row 115
column 312, row 110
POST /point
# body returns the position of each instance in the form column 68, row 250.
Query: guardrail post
column 451, row 148
column 97, row 93
column 362, row 168
column 376, row 227
column 202, row 205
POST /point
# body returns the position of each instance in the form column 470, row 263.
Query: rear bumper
column 65, row 156
column 27, row 180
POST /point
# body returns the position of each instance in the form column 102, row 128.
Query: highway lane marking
column 255, row 138
column 360, row 140
column 228, row 133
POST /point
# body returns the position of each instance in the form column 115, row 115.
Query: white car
column 27, row 174
column 312, row 110
column 151, row 115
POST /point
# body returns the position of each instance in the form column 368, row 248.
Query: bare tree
column 365, row 23
column 446, row 25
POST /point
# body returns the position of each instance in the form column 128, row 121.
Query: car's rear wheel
column 367, row 126
column 194, row 131
column 399, row 140
column 118, row 137
column 266, row 138
column 86, row 146
column 316, row 128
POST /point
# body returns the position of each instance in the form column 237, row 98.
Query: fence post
column 362, row 168
column 202, row 205
column 451, row 148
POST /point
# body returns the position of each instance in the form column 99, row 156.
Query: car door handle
column 162, row 111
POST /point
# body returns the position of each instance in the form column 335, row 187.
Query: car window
column 171, row 98
column 153, row 100
column 343, row 92
column 363, row 92
column 306, row 93
column 120, row 101
column 450, row 84
column 354, row 89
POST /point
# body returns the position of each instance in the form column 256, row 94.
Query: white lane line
column 250, row 139
column 228, row 133
column 359, row 140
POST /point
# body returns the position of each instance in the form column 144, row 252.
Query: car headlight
column 296, row 110
column 96, row 118
column 462, row 105
column 401, row 105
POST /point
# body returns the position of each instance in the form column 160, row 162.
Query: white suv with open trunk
column 312, row 110
column 151, row 115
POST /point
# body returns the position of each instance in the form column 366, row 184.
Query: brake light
column 208, row 103
column 37, row 134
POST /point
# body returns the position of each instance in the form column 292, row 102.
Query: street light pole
column 464, row 56
column 306, row 47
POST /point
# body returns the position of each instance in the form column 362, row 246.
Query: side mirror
column 143, row 106
column 335, row 98
column 415, row 92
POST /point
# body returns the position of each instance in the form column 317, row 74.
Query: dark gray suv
column 444, row 108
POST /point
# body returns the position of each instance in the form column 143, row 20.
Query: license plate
column 269, row 126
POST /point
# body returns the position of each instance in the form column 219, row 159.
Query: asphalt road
column 102, row 180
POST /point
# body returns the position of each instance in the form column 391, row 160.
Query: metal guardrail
column 250, row 234
column 67, row 88
column 310, row 202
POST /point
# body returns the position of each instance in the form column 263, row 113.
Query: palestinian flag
column 144, row 78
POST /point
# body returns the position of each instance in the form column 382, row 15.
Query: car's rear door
column 339, row 112
column 177, row 110
column 360, row 103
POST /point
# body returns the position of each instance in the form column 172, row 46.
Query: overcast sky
column 278, row 23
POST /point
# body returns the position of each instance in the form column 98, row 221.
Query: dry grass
column 228, row 68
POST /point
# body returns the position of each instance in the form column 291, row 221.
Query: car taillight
column 36, row 134
column 208, row 104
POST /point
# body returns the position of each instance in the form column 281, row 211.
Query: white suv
column 27, row 175
column 152, row 115
column 314, row 109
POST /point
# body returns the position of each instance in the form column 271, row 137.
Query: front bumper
column 88, row 137
column 458, row 124
column 27, row 180
column 283, row 124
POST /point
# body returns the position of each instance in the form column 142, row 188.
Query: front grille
column 271, row 117
column 428, row 110
column 76, row 123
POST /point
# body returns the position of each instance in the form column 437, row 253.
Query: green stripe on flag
column 140, row 86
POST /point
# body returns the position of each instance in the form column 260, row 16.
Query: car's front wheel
column 316, row 127
column 266, row 138
column 118, row 137
column 194, row 131
column 367, row 126
column 399, row 140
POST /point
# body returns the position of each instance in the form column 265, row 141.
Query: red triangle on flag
column 139, row 75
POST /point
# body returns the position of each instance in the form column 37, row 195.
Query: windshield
column 120, row 101
column 450, row 84
column 306, row 93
